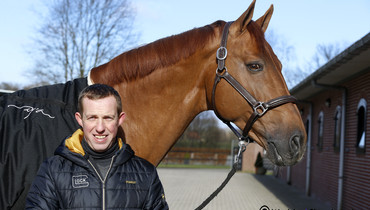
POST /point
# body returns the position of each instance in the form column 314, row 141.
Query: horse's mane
column 142, row 61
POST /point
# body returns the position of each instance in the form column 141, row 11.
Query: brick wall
column 357, row 166
column 250, row 156
column 325, row 163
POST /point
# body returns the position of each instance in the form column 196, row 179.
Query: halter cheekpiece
column 259, row 108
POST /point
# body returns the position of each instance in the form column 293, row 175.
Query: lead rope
column 242, row 146
column 221, row 56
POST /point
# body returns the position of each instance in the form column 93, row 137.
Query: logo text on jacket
column 80, row 181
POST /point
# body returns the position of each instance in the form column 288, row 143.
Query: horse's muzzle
column 286, row 153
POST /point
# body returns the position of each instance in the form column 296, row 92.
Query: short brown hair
column 99, row 91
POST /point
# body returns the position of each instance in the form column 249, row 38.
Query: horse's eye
column 255, row 67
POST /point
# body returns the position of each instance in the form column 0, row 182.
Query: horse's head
column 253, row 65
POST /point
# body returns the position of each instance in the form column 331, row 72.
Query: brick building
column 334, row 103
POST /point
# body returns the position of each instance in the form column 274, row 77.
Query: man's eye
column 109, row 118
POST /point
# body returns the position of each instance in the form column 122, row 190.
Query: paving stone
column 187, row 188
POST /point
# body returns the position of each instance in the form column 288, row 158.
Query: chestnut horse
column 165, row 84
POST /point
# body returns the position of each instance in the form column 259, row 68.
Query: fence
column 198, row 156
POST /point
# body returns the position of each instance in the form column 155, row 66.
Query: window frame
column 361, row 113
column 337, row 128
column 320, row 132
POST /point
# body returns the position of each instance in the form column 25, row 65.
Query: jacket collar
column 72, row 147
column 73, row 143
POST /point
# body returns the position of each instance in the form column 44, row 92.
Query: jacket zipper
column 103, row 180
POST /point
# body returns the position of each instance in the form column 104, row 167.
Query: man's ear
column 121, row 118
column 78, row 118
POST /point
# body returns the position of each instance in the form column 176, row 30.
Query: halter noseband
column 259, row 108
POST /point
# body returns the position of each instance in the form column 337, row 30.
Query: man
column 94, row 169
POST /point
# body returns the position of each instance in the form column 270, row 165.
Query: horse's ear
column 265, row 19
column 242, row 22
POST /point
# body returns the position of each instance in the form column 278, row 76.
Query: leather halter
column 259, row 108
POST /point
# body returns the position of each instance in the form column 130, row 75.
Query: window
column 320, row 137
column 337, row 128
column 361, row 126
column 308, row 132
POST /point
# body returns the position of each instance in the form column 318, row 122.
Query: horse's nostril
column 295, row 144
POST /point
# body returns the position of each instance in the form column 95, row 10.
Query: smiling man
column 94, row 169
column 99, row 118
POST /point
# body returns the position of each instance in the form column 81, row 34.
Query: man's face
column 100, row 122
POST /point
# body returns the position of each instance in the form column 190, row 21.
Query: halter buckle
column 260, row 109
column 221, row 53
column 221, row 72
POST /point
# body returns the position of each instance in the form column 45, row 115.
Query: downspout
column 342, row 136
column 309, row 143
column 308, row 164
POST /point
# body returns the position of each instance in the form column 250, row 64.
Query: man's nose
column 100, row 126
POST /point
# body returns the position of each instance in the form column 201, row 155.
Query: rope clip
column 242, row 147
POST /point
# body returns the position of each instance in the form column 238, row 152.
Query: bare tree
column 286, row 54
column 284, row 51
column 294, row 72
column 80, row 35
column 204, row 131
column 9, row 86
column 324, row 53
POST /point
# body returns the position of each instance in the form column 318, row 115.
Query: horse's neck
column 159, row 107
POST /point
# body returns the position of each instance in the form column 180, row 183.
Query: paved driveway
column 188, row 188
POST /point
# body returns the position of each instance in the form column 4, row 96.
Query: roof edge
column 342, row 57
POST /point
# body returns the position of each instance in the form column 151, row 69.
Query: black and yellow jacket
column 69, row 181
